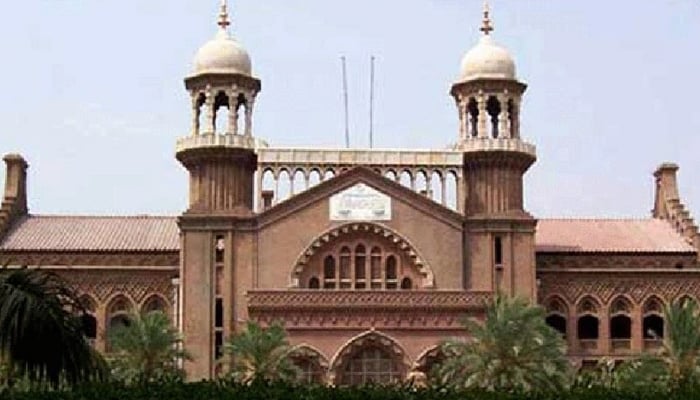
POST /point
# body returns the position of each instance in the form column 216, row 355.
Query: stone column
column 249, row 104
column 232, row 113
column 209, row 105
column 443, row 189
column 503, row 118
column 483, row 117
column 604, row 332
column 259, row 191
column 463, row 119
column 195, row 114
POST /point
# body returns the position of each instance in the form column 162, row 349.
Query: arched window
column 376, row 268
column 557, row 311
column 391, row 272
column 620, row 322
column 310, row 370
column 493, row 110
column 314, row 283
column 199, row 102
column 473, row 115
column 653, row 323
column 360, row 267
column 371, row 365
column 587, row 324
column 406, row 283
column 329, row 272
column 154, row 303
column 221, row 113
column 345, row 259
column 118, row 316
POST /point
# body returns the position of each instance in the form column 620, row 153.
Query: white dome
column 487, row 60
column 223, row 55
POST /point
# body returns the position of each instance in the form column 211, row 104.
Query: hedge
column 219, row 391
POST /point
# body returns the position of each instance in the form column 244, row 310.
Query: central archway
column 369, row 358
column 361, row 255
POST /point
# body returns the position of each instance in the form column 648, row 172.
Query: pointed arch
column 428, row 359
column 155, row 302
column 312, row 363
column 118, row 311
column 557, row 313
column 370, row 357
column 377, row 230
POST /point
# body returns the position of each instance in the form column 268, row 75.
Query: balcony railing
column 214, row 140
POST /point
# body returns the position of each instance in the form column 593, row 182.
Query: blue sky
column 94, row 99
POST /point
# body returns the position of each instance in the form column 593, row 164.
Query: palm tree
column 680, row 352
column 41, row 334
column 261, row 354
column 513, row 349
column 147, row 349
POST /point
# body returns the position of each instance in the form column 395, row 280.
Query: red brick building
column 369, row 257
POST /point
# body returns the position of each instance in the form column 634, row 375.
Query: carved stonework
column 77, row 259
column 103, row 285
column 306, row 309
column 604, row 287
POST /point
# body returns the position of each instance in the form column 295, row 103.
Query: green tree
column 261, row 354
column 148, row 349
column 41, row 335
column 512, row 349
column 681, row 344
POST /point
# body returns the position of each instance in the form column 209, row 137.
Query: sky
column 94, row 97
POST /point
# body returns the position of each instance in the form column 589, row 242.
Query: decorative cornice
column 91, row 258
column 333, row 300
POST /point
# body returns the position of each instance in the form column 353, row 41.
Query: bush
column 281, row 391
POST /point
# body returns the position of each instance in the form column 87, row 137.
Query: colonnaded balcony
column 436, row 174
column 411, row 310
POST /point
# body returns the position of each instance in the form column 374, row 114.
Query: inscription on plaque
column 360, row 203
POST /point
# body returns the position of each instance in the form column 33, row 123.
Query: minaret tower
column 501, row 255
column 219, row 154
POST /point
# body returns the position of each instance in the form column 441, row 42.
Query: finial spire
column 486, row 26
column 223, row 16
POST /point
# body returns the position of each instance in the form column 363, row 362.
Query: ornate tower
column 219, row 154
column 500, row 240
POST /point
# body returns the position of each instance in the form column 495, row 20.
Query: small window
column 391, row 272
column 314, row 283
column 218, row 344
column 220, row 246
column 498, row 252
column 329, row 267
column 219, row 313
column 329, row 272
column 406, row 283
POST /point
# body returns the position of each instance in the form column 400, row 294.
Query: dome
column 223, row 55
column 487, row 60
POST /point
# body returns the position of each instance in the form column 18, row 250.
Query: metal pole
column 371, row 102
column 345, row 102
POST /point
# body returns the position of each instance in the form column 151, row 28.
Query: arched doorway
column 371, row 358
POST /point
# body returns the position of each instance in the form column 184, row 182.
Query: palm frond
column 40, row 330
